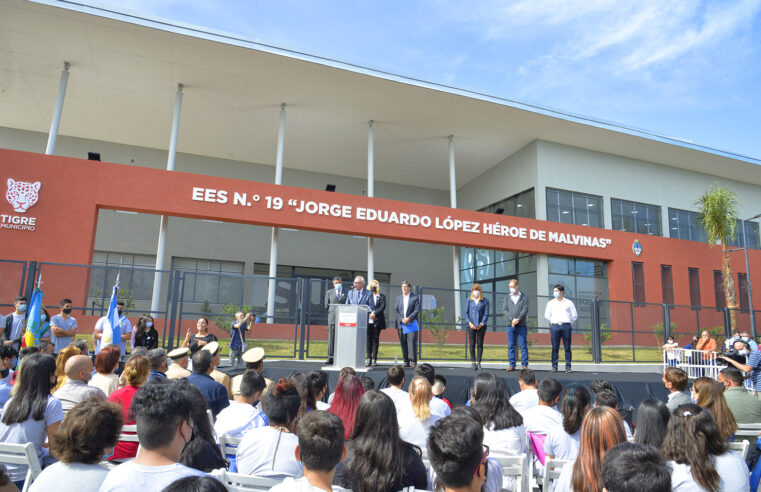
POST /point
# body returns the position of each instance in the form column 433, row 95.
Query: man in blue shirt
column 214, row 393
column 752, row 365
column 159, row 363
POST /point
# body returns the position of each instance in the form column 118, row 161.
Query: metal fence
column 296, row 324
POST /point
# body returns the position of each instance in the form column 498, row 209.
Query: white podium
column 351, row 335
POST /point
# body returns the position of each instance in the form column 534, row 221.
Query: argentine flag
column 111, row 326
column 33, row 324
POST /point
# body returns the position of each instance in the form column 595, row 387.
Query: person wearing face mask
column 15, row 323
column 745, row 337
column 125, row 328
column 63, row 327
column 144, row 334
column 333, row 296
column 515, row 308
column 476, row 315
column 376, row 323
column 561, row 313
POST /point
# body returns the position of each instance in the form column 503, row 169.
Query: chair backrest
column 244, row 483
column 229, row 444
column 552, row 469
column 515, row 466
column 741, row 447
column 22, row 454
column 748, row 430
column 132, row 437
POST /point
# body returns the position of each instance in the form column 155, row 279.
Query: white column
column 273, row 244
column 161, row 248
column 53, row 135
column 455, row 249
column 370, row 194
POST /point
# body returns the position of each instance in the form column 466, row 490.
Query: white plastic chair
column 22, row 454
column 515, row 466
column 741, row 447
column 552, row 469
column 236, row 482
column 229, row 444
column 749, row 431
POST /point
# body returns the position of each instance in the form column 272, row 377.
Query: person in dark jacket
column 376, row 323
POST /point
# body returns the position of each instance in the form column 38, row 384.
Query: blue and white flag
column 111, row 326
column 33, row 324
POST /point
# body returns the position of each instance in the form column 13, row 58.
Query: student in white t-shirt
column 32, row 415
column 163, row 412
column 320, row 448
column 416, row 419
column 242, row 416
column 504, row 432
column 541, row 419
column 270, row 451
column 562, row 442
column 527, row 397
column 395, row 376
column 699, row 457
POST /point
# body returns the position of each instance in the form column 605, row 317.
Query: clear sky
column 689, row 69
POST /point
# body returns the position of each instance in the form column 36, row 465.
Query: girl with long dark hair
column 202, row 451
column 378, row 460
column 145, row 334
column 504, row 431
column 709, row 394
column 31, row 414
column 699, row 457
column 601, row 430
column 652, row 420
column 563, row 443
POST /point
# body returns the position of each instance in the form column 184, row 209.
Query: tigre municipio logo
column 22, row 195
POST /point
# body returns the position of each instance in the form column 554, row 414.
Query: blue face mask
column 43, row 317
column 22, row 308
column 339, row 287
column 556, row 294
column 149, row 324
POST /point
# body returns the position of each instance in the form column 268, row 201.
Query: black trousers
column 476, row 337
column 409, row 346
column 331, row 339
column 373, row 339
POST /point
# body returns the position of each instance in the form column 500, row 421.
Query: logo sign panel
column 21, row 196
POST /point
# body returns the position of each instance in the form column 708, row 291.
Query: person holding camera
column 238, row 331
column 752, row 364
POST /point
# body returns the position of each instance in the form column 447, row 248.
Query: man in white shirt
column 125, row 328
column 241, row 416
column 321, row 447
column 544, row 416
column 164, row 419
column 395, row 376
column 527, row 397
column 561, row 313
column 438, row 406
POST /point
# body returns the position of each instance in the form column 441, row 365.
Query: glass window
column 520, row 205
column 205, row 281
column 571, row 207
column 694, row 274
column 718, row 289
column 685, row 224
column 584, row 278
column 638, row 279
column 635, row 217
column 750, row 229
column 667, row 284
column 138, row 282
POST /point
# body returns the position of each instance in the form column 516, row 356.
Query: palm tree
column 718, row 215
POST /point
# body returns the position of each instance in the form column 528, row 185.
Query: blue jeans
column 521, row 332
column 558, row 332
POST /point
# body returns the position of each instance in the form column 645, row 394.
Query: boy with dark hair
column 242, row 416
column 526, row 398
column 164, row 425
column 321, row 447
column 675, row 381
column 395, row 376
column 631, row 467
column 457, row 454
column 607, row 398
column 543, row 417
column 15, row 323
column 438, row 389
column 63, row 326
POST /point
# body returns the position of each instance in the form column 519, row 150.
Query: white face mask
column 556, row 294
column 476, row 294
column 513, row 290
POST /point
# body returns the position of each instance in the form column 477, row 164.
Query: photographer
column 738, row 351
column 752, row 365
column 238, row 336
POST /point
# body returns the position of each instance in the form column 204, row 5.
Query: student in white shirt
column 606, row 398
column 541, row 419
column 563, row 442
column 416, row 419
column 527, row 398
column 242, row 416
column 163, row 412
column 561, row 313
column 320, row 448
column 504, row 431
column 438, row 406
column 395, row 377
column 270, row 451
column 601, row 430
column 699, row 457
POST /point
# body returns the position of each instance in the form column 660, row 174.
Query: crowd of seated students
column 363, row 439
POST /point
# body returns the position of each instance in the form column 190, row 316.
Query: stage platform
column 631, row 384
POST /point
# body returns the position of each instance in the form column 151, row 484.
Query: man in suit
column 515, row 309
column 407, row 308
column 334, row 296
column 360, row 295
column 675, row 380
